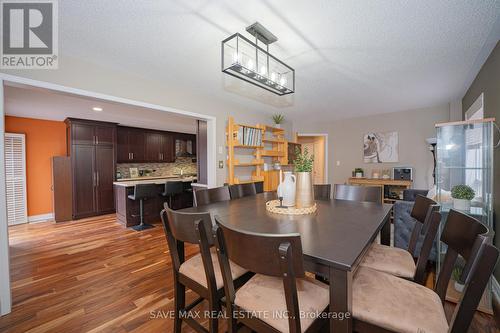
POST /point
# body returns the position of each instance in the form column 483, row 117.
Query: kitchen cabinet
column 136, row 145
column 131, row 145
column 185, row 145
column 92, row 150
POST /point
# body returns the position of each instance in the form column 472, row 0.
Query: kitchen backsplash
column 160, row 169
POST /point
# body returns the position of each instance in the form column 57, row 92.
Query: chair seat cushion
column 264, row 297
column 392, row 260
column 193, row 268
column 396, row 304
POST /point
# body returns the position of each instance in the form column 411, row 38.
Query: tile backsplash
column 160, row 169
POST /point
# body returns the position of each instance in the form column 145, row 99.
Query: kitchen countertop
column 151, row 180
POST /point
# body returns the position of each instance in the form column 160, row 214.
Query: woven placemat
column 272, row 206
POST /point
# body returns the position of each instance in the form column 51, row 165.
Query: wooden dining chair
column 242, row 190
column 400, row 262
column 385, row 303
column 200, row 273
column 210, row 195
column 322, row 191
column 279, row 287
column 357, row 193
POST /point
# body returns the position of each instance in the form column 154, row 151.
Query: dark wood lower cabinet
column 83, row 161
column 127, row 211
column 104, row 162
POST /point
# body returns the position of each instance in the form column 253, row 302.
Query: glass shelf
column 464, row 155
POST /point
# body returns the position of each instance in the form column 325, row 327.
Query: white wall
column 90, row 77
column 346, row 141
column 5, row 300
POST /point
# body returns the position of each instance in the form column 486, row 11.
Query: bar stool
column 143, row 192
column 173, row 188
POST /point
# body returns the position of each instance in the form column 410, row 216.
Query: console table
column 386, row 186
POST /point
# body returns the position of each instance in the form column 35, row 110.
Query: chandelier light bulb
column 250, row 64
column 236, row 58
column 283, row 81
column 273, row 76
column 263, row 70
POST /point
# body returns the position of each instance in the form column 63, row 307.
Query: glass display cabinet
column 464, row 155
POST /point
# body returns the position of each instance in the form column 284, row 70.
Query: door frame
column 5, row 292
column 325, row 135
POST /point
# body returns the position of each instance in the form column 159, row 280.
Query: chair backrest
column 145, row 191
column 483, row 266
column 434, row 220
column 242, row 190
column 358, row 193
column 259, row 187
column 278, row 255
column 322, row 191
column 422, row 211
column 192, row 228
column 463, row 236
column 174, row 187
column 207, row 196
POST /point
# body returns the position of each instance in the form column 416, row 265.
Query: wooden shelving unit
column 233, row 163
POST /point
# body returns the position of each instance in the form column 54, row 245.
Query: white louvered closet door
column 15, row 178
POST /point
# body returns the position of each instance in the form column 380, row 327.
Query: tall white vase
column 286, row 189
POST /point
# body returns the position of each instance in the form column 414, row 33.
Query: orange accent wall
column 44, row 139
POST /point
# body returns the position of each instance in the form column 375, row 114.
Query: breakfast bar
column 127, row 211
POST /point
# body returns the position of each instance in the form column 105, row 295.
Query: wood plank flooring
column 94, row 275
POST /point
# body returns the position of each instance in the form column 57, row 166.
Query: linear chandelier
column 247, row 61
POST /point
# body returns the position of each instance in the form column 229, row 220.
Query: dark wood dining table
column 334, row 239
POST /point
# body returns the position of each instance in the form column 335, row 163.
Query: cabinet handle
column 129, row 156
column 93, row 179
column 132, row 155
column 97, row 176
column 96, row 140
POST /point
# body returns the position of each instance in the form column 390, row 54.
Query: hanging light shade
column 247, row 61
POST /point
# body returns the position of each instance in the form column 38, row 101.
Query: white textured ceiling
column 50, row 105
column 351, row 57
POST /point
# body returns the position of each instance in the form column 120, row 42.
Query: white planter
column 461, row 204
column 277, row 125
column 359, row 175
column 459, row 287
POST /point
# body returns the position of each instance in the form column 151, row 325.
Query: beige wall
column 346, row 141
column 87, row 76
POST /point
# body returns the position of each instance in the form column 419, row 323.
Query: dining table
column 334, row 239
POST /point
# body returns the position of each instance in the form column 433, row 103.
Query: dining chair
column 172, row 189
column 358, row 193
column 322, row 191
column 279, row 286
column 200, row 273
column 210, row 195
column 385, row 303
column 242, row 190
column 400, row 262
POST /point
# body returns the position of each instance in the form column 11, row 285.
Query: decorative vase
column 286, row 189
column 277, row 125
column 461, row 204
column 304, row 192
column 459, row 287
column 359, row 175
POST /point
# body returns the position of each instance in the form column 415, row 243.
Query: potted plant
column 278, row 119
column 462, row 196
column 358, row 173
column 456, row 274
column 303, row 163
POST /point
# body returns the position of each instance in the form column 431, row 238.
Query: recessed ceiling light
column 97, row 109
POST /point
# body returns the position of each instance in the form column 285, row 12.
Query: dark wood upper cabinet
column 92, row 149
column 131, row 145
column 153, row 146
column 185, row 145
column 167, row 147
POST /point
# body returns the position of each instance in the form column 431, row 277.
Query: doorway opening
column 317, row 144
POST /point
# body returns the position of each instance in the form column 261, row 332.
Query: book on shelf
column 249, row 136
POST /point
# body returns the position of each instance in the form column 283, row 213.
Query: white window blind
column 15, row 178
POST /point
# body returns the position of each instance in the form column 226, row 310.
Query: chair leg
column 180, row 304
column 213, row 320
column 141, row 211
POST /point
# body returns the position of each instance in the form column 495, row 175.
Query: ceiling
column 351, row 57
column 45, row 104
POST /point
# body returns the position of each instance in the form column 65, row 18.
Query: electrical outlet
column 221, row 164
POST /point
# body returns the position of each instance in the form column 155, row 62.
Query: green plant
column 278, row 118
column 303, row 161
column 464, row 192
column 456, row 273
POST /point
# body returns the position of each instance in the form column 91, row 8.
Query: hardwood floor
column 94, row 275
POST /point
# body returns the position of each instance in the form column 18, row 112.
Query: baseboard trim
column 41, row 218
